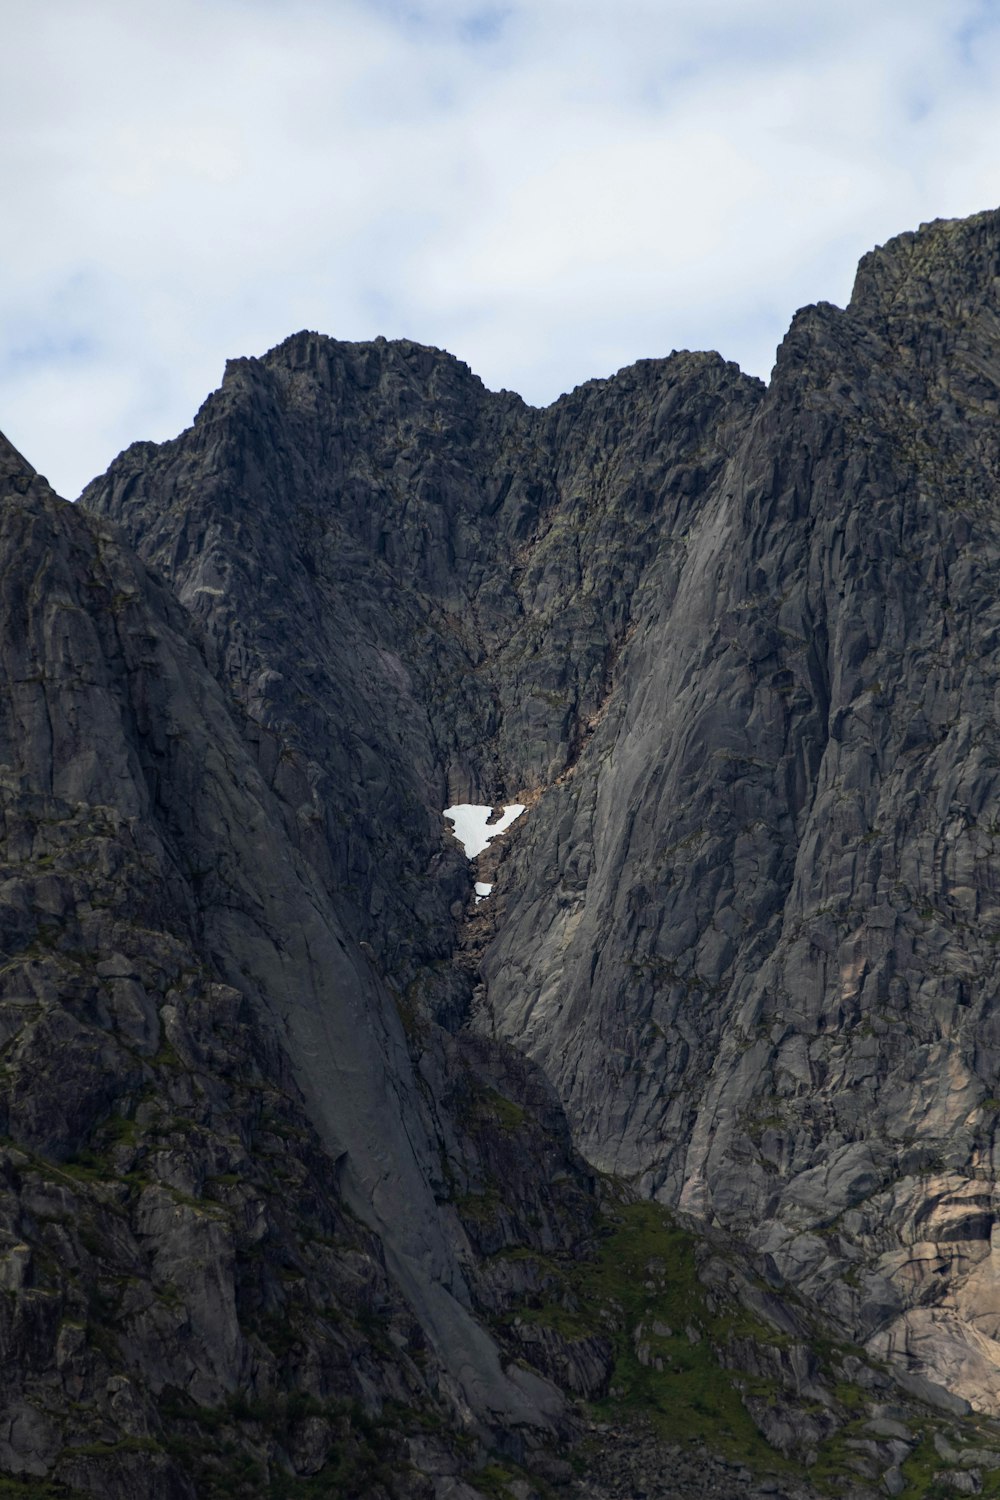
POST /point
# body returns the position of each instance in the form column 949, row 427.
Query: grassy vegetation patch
column 646, row 1267
column 495, row 1479
column 482, row 1208
column 505, row 1112
column 642, row 1292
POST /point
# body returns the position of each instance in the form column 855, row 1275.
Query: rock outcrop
column 736, row 647
column 781, row 964
column 275, row 1078
column 222, row 1177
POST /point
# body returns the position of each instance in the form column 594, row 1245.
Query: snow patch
column 474, row 831
column 472, row 827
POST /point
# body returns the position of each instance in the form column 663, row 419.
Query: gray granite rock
column 283, row 1106
column 189, row 1029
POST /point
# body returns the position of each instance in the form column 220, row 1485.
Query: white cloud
column 549, row 189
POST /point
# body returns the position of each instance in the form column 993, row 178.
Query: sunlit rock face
column 766, row 986
column 738, row 651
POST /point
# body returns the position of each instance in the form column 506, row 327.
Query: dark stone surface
column 208, row 1092
column 737, row 650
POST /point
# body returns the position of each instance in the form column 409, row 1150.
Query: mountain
column 665, row 1169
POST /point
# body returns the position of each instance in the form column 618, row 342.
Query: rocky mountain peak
column 306, row 1145
column 932, row 269
column 16, row 474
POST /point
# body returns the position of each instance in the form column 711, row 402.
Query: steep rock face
column 774, row 998
column 223, row 1182
column 416, row 588
column 737, row 649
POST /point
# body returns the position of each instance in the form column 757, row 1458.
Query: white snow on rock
column 471, row 826
column 482, row 890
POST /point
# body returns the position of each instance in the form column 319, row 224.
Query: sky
column 549, row 189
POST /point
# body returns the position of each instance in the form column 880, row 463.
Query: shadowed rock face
column 285, row 1113
column 416, row 588
column 222, row 1180
column 737, row 649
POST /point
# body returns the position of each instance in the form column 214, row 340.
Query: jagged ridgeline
column 663, row 1163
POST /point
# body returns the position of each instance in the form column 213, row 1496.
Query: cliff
column 300, row 1138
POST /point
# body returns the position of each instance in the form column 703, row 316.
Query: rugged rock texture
column 781, row 965
column 224, row 1185
column 736, row 648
